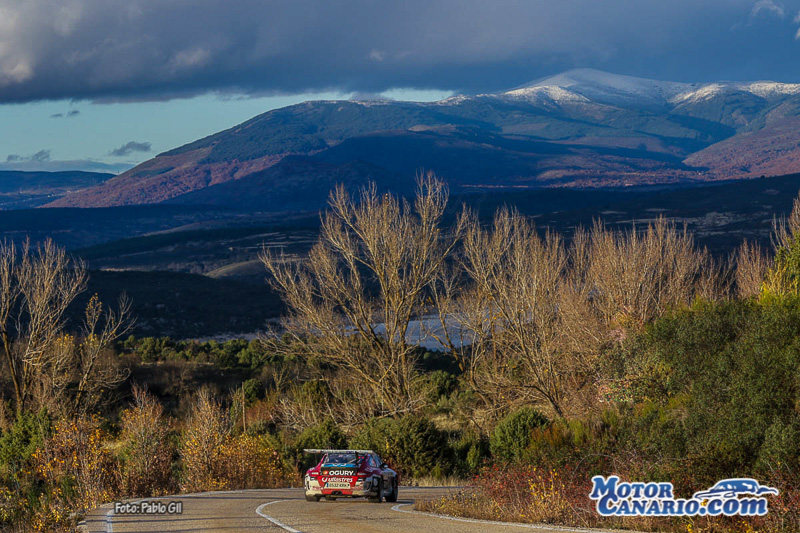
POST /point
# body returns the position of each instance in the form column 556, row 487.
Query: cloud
column 39, row 157
column 70, row 113
column 120, row 50
column 768, row 7
column 130, row 147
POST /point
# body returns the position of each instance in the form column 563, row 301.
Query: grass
column 446, row 481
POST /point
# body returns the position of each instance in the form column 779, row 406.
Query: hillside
column 19, row 189
column 582, row 128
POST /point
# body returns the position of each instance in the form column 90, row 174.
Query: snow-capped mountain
column 581, row 128
column 603, row 87
column 589, row 85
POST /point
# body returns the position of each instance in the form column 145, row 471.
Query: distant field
column 21, row 190
column 184, row 305
column 195, row 272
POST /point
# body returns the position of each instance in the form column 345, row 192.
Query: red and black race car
column 350, row 474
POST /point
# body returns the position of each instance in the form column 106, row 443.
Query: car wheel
column 379, row 497
column 393, row 496
column 312, row 498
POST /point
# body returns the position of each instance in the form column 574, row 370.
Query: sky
column 105, row 84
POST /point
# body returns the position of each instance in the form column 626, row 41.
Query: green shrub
column 469, row 452
column 781, row 447
column 18, row 442
column 418, row 449
column 513, row 434
column 727, row 393
column 376, row 435
column 315, row 392
column 440, row 384
column 324, row 435
column 253, row 390
column 412, row 445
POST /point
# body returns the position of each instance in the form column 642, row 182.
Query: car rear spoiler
column 357, row 452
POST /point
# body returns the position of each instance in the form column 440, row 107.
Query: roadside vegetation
column 634, row 353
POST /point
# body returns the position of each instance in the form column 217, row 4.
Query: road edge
column 275, row 520
column 498, row 523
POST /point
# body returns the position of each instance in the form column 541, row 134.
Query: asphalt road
column 285, row 510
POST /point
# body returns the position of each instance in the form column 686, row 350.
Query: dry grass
column 447, row 481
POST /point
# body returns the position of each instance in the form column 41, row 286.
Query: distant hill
column 582, row 128
column 20, row 189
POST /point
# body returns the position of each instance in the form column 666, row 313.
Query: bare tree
column 782, row 276
column 785, row 229
column 352, row 300
column 636, row 277
column 205, row 434
column 147, row 446
column 100, row 330
column 751, row 266
column 36, row 288
column 527, row 317
column 517, row 342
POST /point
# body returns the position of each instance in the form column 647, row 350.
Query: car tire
column 393, row 496
column 312, row 498
column 379, row 497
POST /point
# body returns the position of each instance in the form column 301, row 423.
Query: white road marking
column 275, row 520
column 109, row 516
column 495, row 523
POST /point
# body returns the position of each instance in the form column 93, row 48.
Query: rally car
column 350, row 474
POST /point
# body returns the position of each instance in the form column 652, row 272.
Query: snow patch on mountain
column 763, row 89
column 606, row 88
column 770, row 89
column 546, row 94
column 589, row 85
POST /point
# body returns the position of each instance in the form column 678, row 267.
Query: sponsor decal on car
column 616, row 498
column 338, row 472
column 335, row 479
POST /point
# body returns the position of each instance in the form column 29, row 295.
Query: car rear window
column 342, row 458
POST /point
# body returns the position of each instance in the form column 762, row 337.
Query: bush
column 728, row 388
column 147, row 448
column 207, row 431
column 469, row 451
column 76, row 468
column 412, row 445
column 513, row 434
column 417, row 448
column 251, row 462
column 440, row 384
column 376, row 435
column 323, row 435
column 18, row 442
column 253, row 390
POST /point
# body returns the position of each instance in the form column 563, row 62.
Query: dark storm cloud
column 109, row 50
column 130, row 147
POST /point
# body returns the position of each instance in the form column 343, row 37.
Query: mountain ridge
column 576, row 117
